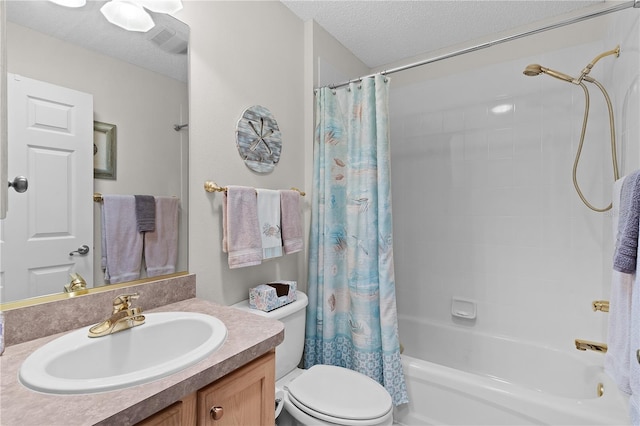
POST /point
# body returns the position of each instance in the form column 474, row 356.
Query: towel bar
column 211, row 186
column 97, row 197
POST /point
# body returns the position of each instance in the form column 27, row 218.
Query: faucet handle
column 123, row 302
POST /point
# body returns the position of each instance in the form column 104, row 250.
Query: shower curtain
column 351, row 316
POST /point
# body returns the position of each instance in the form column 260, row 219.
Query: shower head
column 532, row 70
column 535, row 69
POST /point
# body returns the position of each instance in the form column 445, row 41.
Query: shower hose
column 614, row 159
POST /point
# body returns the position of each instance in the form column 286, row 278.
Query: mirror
column 138, row 82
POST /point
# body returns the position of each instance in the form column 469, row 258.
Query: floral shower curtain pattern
column 352, row 317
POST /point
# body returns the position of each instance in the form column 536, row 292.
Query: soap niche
column 464, row 311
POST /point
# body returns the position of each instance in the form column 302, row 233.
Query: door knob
column 81, row 251
column 20, row 184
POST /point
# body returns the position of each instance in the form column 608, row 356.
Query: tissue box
column 267, row 297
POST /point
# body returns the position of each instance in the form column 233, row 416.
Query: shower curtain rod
column 615, row 8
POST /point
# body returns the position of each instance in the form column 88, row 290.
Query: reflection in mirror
column 136, row 82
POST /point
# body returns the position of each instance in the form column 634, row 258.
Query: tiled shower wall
column 483, row 199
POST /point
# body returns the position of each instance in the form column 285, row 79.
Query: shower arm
column 587, row 69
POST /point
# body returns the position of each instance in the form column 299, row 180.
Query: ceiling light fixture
column 69, row 3
column 161, row 6
column 128, row 15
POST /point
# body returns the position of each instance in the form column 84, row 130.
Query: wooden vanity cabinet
column 244, row 397
column 182, row 413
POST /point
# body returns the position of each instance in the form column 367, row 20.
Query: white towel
column 618, row 359
column 269, row 220
column 634, row 410
column 634, row 370
column 161, row 245
column 291, row 221
column 634, row 347
column 241, row 234
column 121, row 241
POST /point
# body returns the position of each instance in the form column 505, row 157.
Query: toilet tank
column 289, row 352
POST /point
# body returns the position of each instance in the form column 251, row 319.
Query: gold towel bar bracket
column 600, row 305
column 211, row 186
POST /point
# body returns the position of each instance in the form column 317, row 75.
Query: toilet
column 323, row 394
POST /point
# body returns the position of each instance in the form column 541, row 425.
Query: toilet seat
column 341, row 396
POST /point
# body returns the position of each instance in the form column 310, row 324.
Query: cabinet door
column 182, row 413
column 244, row 397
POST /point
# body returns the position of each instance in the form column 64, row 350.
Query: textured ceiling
column 87, row 28
column 386, row 31
column 378, row 32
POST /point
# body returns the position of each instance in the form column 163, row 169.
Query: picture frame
column 104, row 150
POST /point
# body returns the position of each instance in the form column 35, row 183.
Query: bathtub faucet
column 583, row 345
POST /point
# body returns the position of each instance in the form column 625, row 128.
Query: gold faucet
column 77, row 284
column 583, row 345
column 123, row 317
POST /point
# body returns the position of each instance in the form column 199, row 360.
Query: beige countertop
column 249, row 336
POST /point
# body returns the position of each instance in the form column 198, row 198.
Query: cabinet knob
column 216, row 412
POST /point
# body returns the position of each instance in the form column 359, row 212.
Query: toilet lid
column 340, row 393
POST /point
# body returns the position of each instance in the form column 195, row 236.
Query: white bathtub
column 459, row 377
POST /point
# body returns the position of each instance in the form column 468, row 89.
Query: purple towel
column 291, row 221
column 240, row 227
column 121, row 244
column 626, row 252
column 161, row 245
column 145, row 213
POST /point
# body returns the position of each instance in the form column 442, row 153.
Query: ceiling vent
column 169, row 40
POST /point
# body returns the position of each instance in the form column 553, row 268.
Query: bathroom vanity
column 243, row 397
column 240, row 372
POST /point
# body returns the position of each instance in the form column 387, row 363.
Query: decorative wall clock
column 258, row 139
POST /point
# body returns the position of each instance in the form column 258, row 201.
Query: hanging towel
column 241, row 234
column 291, row 221
column 161, row 245
column 617, row 358
column 269, row 219
column 145, row 213
column 626, row 250
column 634, row 410
column 121, row 242
column 634, row 343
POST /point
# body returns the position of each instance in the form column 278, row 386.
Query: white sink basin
column 166, row 343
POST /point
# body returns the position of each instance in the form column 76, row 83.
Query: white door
column 51, row 144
